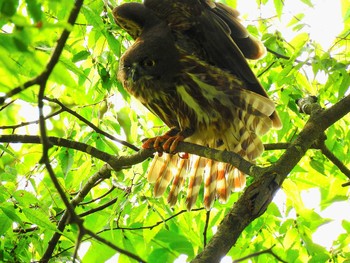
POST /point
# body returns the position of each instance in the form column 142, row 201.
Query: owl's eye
column 149, row 63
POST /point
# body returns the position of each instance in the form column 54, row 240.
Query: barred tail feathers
column 197, row 166
column 210, row 181
column 219, row 178
column 161, row 173
column 177, row 183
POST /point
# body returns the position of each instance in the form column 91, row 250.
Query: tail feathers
column 229, row 179
column 219, row 178
column 164, row 168
column 177, row 182
column 156, row 167
column 210, row 181
column 221, row 186
column 236, row 179
column 197, row 165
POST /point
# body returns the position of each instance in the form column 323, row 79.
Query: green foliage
column 84, row 80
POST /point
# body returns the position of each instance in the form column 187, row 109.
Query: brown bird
column 187, row 68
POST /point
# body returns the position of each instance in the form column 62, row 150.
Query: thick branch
column 120, row 162
column 255, row 199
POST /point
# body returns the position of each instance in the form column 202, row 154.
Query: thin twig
column 266, row 251
column 113, row 246
column 278, row 55
column 7, row 104
column 42, row 80
column 151, row 226
column 94, row 210
column 104, row 172
column 22, row 124
column 93, row 126
column 266, row 69
column 334, row 159
column 100, row 197
column 207, row 217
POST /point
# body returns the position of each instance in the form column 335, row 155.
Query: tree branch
column 150, row 227
column 61, row 42
column 266, row 251
column 90, row 124
column 256, row 198
column 103, row 173
column 99, row 208
column 113, row 246
column 121, row 162
column 207, row 217
column 278, row 55
column 320, row 144
column 42, row 81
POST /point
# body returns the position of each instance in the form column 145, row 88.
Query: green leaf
column 7, row 150
column 39, row 218
column 317, row 165
column 66, row 157
column 8, row 7
column 73, row 68
column 34, row 9
column 5, row 225
column 159, row 255
column 10, row 212
column 344, row 86
column 113, row 43
column 82, row 55
column 346, row 225
column 308, row 2
column 279, row 7
column 321, row 257
column 25, row 198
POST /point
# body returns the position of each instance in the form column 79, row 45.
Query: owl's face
column 152, row 57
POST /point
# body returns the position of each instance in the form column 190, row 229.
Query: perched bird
column 186, row 66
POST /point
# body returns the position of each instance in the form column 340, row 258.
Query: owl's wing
column 214, row 30
column 134, row 17
column 250, row 47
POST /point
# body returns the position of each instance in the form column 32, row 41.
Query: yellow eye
column 149, row 63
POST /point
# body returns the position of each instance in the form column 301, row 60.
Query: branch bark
column 256, row 198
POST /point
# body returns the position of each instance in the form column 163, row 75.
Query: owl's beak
column 133, row 73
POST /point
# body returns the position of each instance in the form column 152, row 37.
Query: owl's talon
column 171, row 144
column 184, row 155
column 156, row 142
column 147, row 143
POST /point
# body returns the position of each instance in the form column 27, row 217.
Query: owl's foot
column 167, row 142
column 157, row 142
column 171, row 144
column 184, row 155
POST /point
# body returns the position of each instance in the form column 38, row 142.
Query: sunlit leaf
column 39, row 218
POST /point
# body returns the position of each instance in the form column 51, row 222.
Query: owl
column 188, row 67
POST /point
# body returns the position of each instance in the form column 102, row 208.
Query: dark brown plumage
column 186, row 68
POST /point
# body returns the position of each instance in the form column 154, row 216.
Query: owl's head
column 153, row 57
